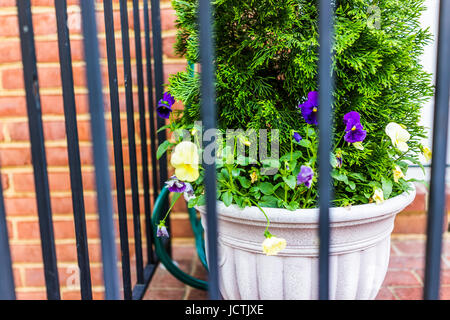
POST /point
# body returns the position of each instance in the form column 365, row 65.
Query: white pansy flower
column 399, row 136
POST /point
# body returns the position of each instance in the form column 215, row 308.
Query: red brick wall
column 15, row 158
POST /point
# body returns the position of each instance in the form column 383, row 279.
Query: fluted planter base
column 359, row 251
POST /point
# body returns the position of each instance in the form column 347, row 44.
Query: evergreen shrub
column 267, row 76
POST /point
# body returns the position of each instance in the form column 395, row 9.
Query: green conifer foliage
column 267, row 56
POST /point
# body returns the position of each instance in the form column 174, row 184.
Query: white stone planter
column 359, row 251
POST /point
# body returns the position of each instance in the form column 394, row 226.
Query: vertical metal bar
column 159, row 79
column 208, row 103
column 101, row 162
column 131, row 138
column 437, row 209
column 118, row 153
column 325, row 124
column 142, row 122
column 38, row 149
column 6, row 273
column 151, row 108
column 73, row 149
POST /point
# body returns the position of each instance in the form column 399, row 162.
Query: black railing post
column 131, row 137
column 6, row 273
column 143, row 134
column 151, row 109
column 437, row 194
column 159, row 80
column 73, row 148
column 159, row 88
column 38, row 149
column 100, row 151
column 325, row 138
column 118, row 150
column 208, row 103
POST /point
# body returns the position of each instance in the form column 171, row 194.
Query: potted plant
column 266, row 70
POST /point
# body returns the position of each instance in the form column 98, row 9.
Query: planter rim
column 310, row 216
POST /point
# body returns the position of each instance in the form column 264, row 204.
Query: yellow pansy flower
column 272, row 245
column 378, row 196
column 399, row 136
column 254, row 177
column 185, row 160
column 427, row 153
column 398, row 174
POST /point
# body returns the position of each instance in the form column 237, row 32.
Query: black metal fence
column 145, row 271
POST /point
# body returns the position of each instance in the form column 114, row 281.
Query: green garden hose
column 162, row 254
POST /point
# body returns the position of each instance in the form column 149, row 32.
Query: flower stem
column 265, row 215
column 292, row 143
column 174, row 199
column 339, row 141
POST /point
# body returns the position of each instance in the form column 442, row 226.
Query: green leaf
column 293, row 205
column 221, row 177
column 374, row 184
column 235, row 172
column 305, row 143
column 192, row 202
column 227, row 198
column 291, row 181
column 416, row 162
column 269, row 202
column 240, row 202
column 292, row 165
column 167, row 126
column 271, row 163
column 295, row 155
column 242, row 160
column 333, row 160
column 266, row 188
column 386, row 185
column 403, row 165
column 201, row 200
column 163, row 148
column 424, row 182
column 311, row 131
column 254, row 189
column 352, row 185
column 244, row 182
column 357, row 176
column 339, row 176
column 225, row 173
column 278, row 185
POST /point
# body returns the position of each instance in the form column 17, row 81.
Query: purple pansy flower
column 297, row 137
column 305, row 176
column 168, row 98
column 189, row 192
column 162, row 231
column 354, row 129
column 351, row 119
column 356, row 134
column 310, row 107
column 164, row 108
column 175, row 185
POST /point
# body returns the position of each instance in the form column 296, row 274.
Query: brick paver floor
column 404, row 279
